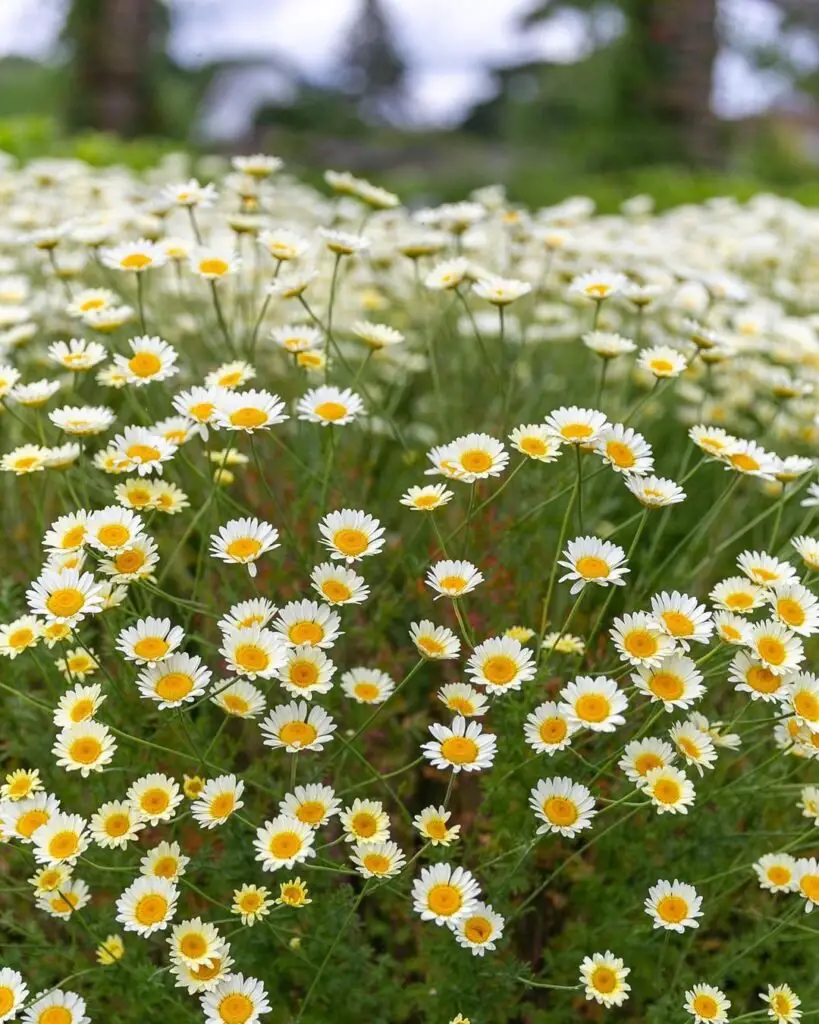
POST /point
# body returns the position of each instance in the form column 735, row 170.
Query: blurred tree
column 372, row 70
column 660, row 77
column 114, row 48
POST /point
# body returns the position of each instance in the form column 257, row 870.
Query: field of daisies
column 408, row 614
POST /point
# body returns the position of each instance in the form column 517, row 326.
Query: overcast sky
column 446, row 43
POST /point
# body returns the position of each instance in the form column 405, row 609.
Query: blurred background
column 682, row 98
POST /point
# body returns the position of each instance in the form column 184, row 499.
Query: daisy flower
column 593, row 703
column 295, row 338
column 308, row 623
column 535, row 441
column 350, row 535
column 85, row 747
column 783, row 1004
column 447, row 275
column 293, row 893
column 378, row 860
column 751, row 459
column 682, row 618
column 256, row 612
column 151, row 359
column 432, row 824
column 249, row 411
column 195, row 942
column 61, row 840
column 240, row 699
column 253, row 652
column 736, row 594
column 752, row 677
column 655, row 491
column 283, row 842
column 306, row 671
column 28, row 458
column 676, row 682
column 68, row 533
column 329, row 406
column 695, row 745
column 624, row 450
column 82, row 421
column 203, row 978
column 765, row 569
column 453, row 578
column 808, row 550
column 599, row 285
column 78, row 705
column 367, row 685
column 365, row 821
column 444, row 894
column 732, row 629
column 668, row 789
column 296, row 727
column 338, row 584
column 573, row 425
column 564, row 807
column 243, row 541
column 21, row 783
column 463, row 699
column 174, row 681
column 470, row 458
column 805, row 880
column 779, row 650
column 428, row 498
column 115, row 824
column 438, row 643
column 500, row 291
column 313, row 804
column 549, row 728
column 149, row 640
column 607, row 344
column 136, row 257
column 21, row 818
column 59, row 1006
column 147, row 905
column 501, row 664
column 479, row 930
column 18, row 636
column 110, row 950
column 155, row 797
column 13, row 993
column 165, row 860
column 220, row 798
column 376, row 336
column 795, row 606
column 714, row 441
column 252, row 903
column 135, row 562
column 112, row 529
column 563, row 643
column 641, row 756
column 143, row 450
column 604, row 977
column 640, row 640
column 590, row 560
column 662, row 361
column 707, row 1004
column 66, row 597
column 213, row 264
column 230, row 375
column 236, row 1000
column 802, row 695
column 462, row 746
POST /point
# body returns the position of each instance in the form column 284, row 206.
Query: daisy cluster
column 371, row 568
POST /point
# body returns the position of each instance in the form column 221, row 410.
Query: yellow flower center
column 233, row 702
column 82, row 710
column 306, row 633
column 744, row 463
column 459, row 750
column 66, row 601
column 144, row 364
column 576, row 431
column 672, row 909
column 534, row 446
column 436, row 828
column 331, row 411
column 678, row 624
column 142, row 452
column 222, row 805
column 151, row 909
column 660, row 366
column 251, row 657
column 63, row 844
column 85, row 750
column 368, row 691
column 741, row 600
column 476, row 461
column 430, row 645
column 303, row 673
column 285, row 845
column 705, row 1006
column 426, row 500
column 444, row 900
column 297, row 734
column 248, row 416
column 478, row 930
column 376, row 863
column 151, row 648
column 202, row 411
column 73, row 538
column 779, row 875
column 640, row 643
column 139, row 497
column 114, row 535
column 772, row 650
column 215, row 267
column 790, row 611
column 335, row 591
column 235, row 1008
column 500, row 669
column 243, row 547
column 154, row 801
column 620, row 454
column 553, row 730
column 603, row 979
column 364, row 824
column 809, row 886
column 205, row 972
column 20, row 638
column 6, row 1000
column 667, row 791
column 806, row 705
column 666, row 685
column 174, row 686
column 762, row 679
column 117, row 824
column 592, row 568
column 135, row 261
column 560, row 811
column 592, row 707
column 193, row 945
column 350, row 542
column 643, row 763
column 31, row 820
column 311, row 812
column 165, row 867
column 129, row 561
column 453, row 584
column 55, row 1015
